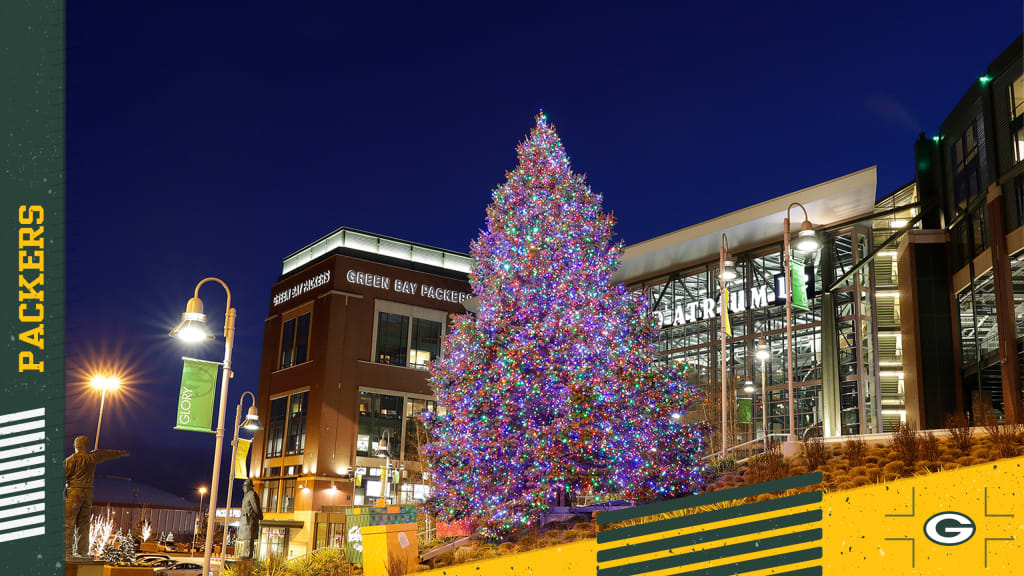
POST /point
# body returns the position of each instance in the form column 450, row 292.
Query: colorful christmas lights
column 552, row 387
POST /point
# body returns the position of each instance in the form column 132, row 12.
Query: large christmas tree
column 552, row 386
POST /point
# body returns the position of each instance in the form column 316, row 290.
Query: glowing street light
column 202, row 492
column 192, row 329
column 252, row 423
column 807, row 241
column 103, row 383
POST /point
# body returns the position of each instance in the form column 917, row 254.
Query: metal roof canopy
column 838, row 200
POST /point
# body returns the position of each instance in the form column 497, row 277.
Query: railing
column 746, row 449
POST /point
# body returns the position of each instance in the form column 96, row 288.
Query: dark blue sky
column 212, row 140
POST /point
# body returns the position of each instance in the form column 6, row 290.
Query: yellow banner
column 725, row 311
column 241, row 456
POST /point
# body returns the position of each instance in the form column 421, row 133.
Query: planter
column 127, row 571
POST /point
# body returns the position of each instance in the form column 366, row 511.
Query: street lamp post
column 103, row 383
column 384, row 449
column 252, row 422
column 192, row 328
column 202, row 492
column 727, row 273
column 763, row 354
column 806, row 242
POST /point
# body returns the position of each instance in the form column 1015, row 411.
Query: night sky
column 214, row 141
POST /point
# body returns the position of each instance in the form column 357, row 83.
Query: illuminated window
column 288, row 495
column 407, row 336
column 295, row 341
column 287, row 414
column 275, row 426
column 1017, row 119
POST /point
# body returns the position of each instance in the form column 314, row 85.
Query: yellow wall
column 856, row 525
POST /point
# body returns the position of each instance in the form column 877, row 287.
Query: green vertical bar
column 32, row 283
column 800, row 301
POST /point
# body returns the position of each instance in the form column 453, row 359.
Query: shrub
column 528, row 542
column 769, row 465
column 855, row 450
column 893, row 470
column 815, row 452
column 960, row 432
column 1004, row 439
column 397, row 564
column 507, row 548
column 904, row 443
column 930, row 449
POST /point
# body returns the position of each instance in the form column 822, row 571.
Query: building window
column 407, row 336
column 287, row 413
column 270, row 492
column 295, row 341
column 275, row 426
column 379, row 412
column 1017, row 119
column 296, row 439
column 392, row 339
column 966, row 165
column 288, row 495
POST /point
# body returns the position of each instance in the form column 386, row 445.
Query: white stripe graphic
column 21, row 522
column 22, row 439
column 24, row 501
column 20, row 534
column 22, row 510
column 24, row 415
column 22, row 463
column 23, row 451
column 22, row 498
column 35, row 424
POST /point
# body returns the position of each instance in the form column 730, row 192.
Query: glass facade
column 287, row 414
column 401, row 415
column 866, row 339
column 407, row 336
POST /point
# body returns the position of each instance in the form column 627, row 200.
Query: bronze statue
column 79, row 470
column 249, row 526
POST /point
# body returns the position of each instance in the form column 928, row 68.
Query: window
column 275, row 426
column 1017, row 119
column 407, row 336
column 426, row 342
column 392, row 339
column 966, row 166
column 296, row 440
column 379, row 412
column 270, row 492
column 287, row 413
column 288, row 495
column 295, row 341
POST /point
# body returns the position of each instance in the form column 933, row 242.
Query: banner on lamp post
column 799, row 281
column 726, row 325
column 195, row 400
column 744, row 410
column 241, row 456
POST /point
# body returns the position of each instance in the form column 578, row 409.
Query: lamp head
column 252, row 421
column 105, row 382
column 728, row 269
column 762, row 353
column 383, row 447
column 807, row 239
column 202, row 491
column 192, row 327
column 748, row 387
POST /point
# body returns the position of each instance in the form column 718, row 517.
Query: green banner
column 195, row 401
column 744, row 410
column 800, row 300
column 32, row 288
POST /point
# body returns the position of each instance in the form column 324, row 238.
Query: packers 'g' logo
column 949, row 528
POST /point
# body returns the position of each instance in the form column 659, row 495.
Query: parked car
column 180, row 569
column 151, row 557
column 156, row 563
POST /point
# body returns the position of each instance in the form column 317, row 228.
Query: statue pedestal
column 83, row 567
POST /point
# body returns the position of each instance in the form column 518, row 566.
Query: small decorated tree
column 553, row 386
column 121, row 550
